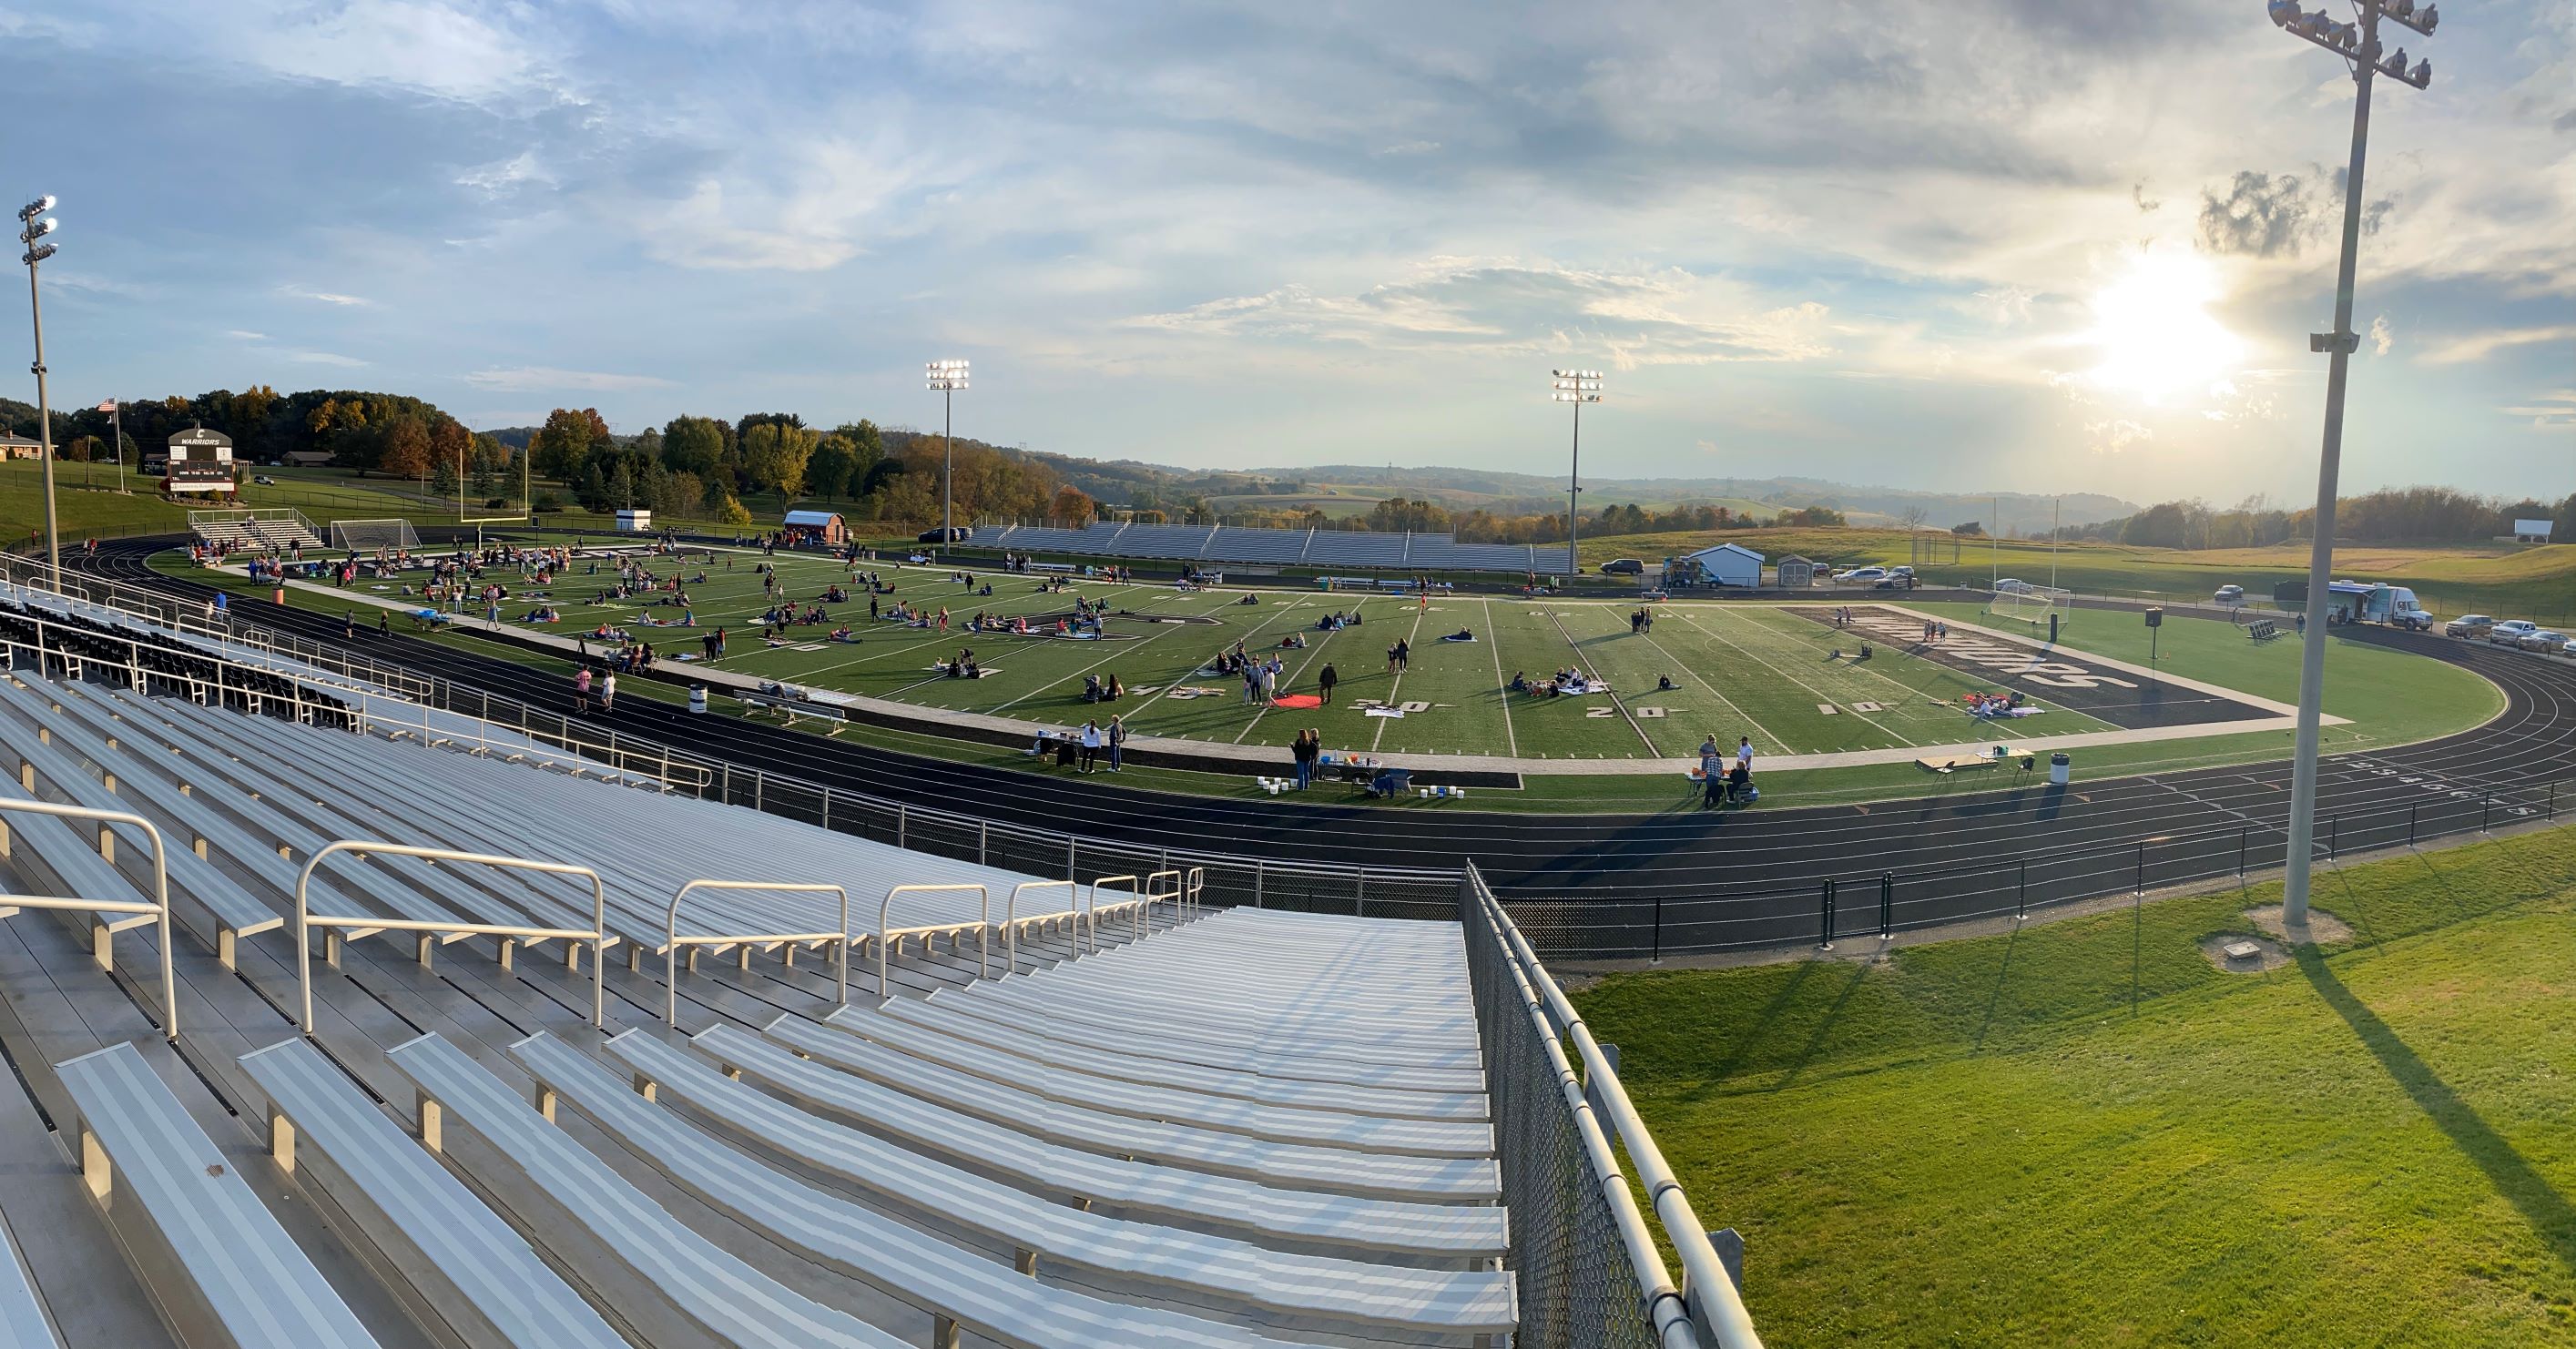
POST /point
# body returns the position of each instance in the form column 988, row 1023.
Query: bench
column 1420, row 1229
column 1324, row 1128
column 224, row 1270
column 830, row 1229
column 2262, row 630
column 1285, row 1064
column 24, row 1322
column 1306, row 1166
column 541, row 1174
column 483, row 1283
column 1034, row 1000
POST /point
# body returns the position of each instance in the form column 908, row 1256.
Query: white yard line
column 1812, row 690
column 1306, row 658
column 1502, row 689
column 1127, row 649
column 1594, row 671
column 1191, row 673
column 1398, row 682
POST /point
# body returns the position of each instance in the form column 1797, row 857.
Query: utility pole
column 2359, row 47
column 32, row 229
column 1577, row 387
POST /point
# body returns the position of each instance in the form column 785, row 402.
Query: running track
column 1683, row 879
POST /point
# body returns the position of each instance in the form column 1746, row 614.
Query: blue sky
column 1991, row 244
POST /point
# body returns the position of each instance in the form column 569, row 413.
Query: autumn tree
column 775, row 455
column 693, row 445
column 1074, row 506
column 560, row 446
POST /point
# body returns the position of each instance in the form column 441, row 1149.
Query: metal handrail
column 887, row 937
column 1011, row 914
column 1154, row 891
column 305, row 919
column 159, row 908
column 1135, row 899
column 1707, row 1289
column 672, row 941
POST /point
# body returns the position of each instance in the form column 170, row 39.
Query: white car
column 1863, row 575
column 2569, row 649
column 2544, row 640
column 2013, row 586
column 2511, row 631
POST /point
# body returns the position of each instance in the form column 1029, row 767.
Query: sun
column 2154, row 330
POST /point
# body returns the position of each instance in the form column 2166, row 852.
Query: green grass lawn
column 2083, row 1134
column 1739, row 669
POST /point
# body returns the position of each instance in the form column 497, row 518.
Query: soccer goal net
column 366, row 536
column 2031, row 604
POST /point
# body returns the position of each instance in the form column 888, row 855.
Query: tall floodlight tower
column 947, row 377
column 1577, row 387
column 2357, row 44
column 34, row 225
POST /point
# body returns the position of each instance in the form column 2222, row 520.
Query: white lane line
column 1494, row 643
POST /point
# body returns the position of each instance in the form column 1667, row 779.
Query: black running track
column 1685, row 880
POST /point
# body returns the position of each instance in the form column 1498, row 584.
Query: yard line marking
column 1306, row 657
column 1130, row 648
column 1783, row 746
column 1595, row 672
column 1177, row 680
column 1396, row 683
column 1909, row 741
column 1494, row 643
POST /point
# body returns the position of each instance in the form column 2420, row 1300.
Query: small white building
column 635, row 522
column 2531, row 531
column 1728, row 564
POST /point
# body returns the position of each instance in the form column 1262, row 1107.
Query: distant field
column 2536, row 583
column 2081, row 1133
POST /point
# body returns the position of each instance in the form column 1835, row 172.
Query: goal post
column 366, row 536
column 2034, row 605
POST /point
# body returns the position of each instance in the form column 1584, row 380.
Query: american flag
column 108, row 405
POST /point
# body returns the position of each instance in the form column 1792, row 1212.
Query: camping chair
column 1391, row 782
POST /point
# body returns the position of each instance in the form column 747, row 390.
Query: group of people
column 1307, row 750
column 1098, row 690
column 1720, row 782
column 1088, row 743
column 1641, row 622
column 594, row 692
column 1567, row 680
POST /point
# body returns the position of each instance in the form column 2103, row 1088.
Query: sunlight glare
column 2157, row 338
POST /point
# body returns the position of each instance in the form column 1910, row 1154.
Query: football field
column 1790, row 683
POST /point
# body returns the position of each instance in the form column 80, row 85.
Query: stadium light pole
column 1577, row 387
column 947, row 377
column 31, row 229
column 2358, row 45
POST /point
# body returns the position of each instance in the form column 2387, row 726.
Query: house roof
column 1793, row 557
column 811, row 517
column 1736, row 548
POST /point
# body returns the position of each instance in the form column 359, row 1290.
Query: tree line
column 2390, row 515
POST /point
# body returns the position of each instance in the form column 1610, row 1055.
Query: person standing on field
column 1324, row 682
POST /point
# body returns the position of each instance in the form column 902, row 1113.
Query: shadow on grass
column 1824, row 1026
column 2552, row 1219
column 2003, row 975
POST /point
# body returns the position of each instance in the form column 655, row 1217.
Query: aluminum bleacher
column 1182, row 1128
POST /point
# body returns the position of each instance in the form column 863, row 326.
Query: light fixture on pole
column 947, row 377
column 1577, row 387
column 2358, row 45
column 31, row 229
column 116, row 438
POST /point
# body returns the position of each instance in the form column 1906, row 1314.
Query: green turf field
column 1738, row 666
column 2084, row 1134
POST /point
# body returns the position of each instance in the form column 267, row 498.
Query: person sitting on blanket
column 1091, row 688
column 1115, row 690
column 1665, row 684
column 840, row 634
column 1461, row 635
column 1520, row 683
column 1292, row 641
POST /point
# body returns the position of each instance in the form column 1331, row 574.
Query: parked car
column 2468, row 625
column 2511, row 631
column 1862, row 575
column 1623, row 566
column 2544, row 640
column 2229, row 595
column 265, row 481
column 1907, row 572
column 952, row 534
column 2569, row 649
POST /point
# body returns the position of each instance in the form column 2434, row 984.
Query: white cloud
column 245, row 335
column 324, row 358
column 438, row 48
column 323, row 296
column 2382, row 336
column 2480, row 345
column 1669, row 317
column 498, row 178
column 539, row 378
column 2551, row 411
column 2116, row 435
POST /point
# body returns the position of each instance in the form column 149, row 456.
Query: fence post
column 1825, row 920
column 1359, row 895
column 1258, row 870
column 2142, row 867
column 2334, row 835
column 2243, row 832
column 1887, row 904
column 2021, row 890
column 983, row 838
column 759, row 779
column 1657, row 955
column 827, row 807
column 1068, row 856
column 2486, row 809
column 2410, row 825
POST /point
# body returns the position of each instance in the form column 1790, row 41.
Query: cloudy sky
column 1980, row 244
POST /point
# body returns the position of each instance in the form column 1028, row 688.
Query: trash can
column 698, row 700
column 2061, row 769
